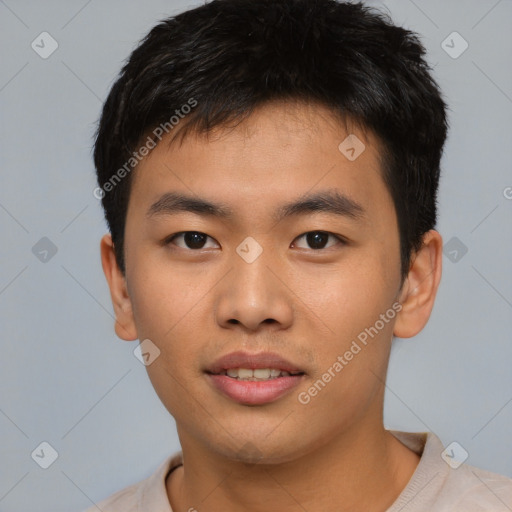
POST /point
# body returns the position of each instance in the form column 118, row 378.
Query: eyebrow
column 331, row 202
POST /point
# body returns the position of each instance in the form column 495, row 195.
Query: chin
column 260, row 449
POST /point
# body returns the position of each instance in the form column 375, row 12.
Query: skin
column 306, row 304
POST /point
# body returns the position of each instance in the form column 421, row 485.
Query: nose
column 253, row 296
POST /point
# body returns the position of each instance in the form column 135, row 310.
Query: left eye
column 318, row 239
column 192, row 239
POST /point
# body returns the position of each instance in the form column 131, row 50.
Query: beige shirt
column 435, row 486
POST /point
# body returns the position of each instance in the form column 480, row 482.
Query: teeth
column 257, row 374
column 260, row 373
column 244, row 373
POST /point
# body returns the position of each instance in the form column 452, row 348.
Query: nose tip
column 252, row 297
column 254, row 324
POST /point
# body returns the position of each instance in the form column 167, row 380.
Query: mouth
column 254, row 379
column 257, row 374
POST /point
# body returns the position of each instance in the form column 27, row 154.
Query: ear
column 125, row 325
column 420, row 287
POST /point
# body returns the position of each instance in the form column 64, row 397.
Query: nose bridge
column 254, row 280
column 253, row 286
column 252, row 293
column 251, row 262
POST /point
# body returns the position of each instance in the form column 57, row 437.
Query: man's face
column 305, row 298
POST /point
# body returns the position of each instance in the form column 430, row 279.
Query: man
column 269, row 173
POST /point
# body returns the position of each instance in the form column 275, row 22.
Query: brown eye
column 318, row 240
column 193, row 240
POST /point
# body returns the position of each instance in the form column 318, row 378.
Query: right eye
column 193, row 240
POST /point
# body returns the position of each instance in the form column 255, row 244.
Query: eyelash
column 341, row 240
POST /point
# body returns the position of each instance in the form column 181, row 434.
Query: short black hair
column 228, row 57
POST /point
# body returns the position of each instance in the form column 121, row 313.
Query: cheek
column 352, row 361
column 350, row 300
column 347, row 298
column 166, row 307
column 173, row 309
column 162, row 297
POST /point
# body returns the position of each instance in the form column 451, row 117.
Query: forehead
column 281, row 151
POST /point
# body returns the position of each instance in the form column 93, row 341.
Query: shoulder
column 148, row 494
column 443, row 482
column 477, row 490
column 124, row 500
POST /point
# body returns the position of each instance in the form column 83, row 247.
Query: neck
column 363, row 469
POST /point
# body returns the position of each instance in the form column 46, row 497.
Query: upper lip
column 250, row 361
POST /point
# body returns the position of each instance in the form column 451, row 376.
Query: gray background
column 65, row 377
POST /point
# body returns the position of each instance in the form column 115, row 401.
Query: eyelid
column 341, row 240
column 169, row 240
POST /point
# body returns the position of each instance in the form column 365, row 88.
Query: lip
column 253, row 392
column 250, row 361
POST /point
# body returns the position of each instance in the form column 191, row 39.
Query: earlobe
column 124, row 325
column 420, row 287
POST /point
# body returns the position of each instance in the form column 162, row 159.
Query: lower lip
column 250, row 392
